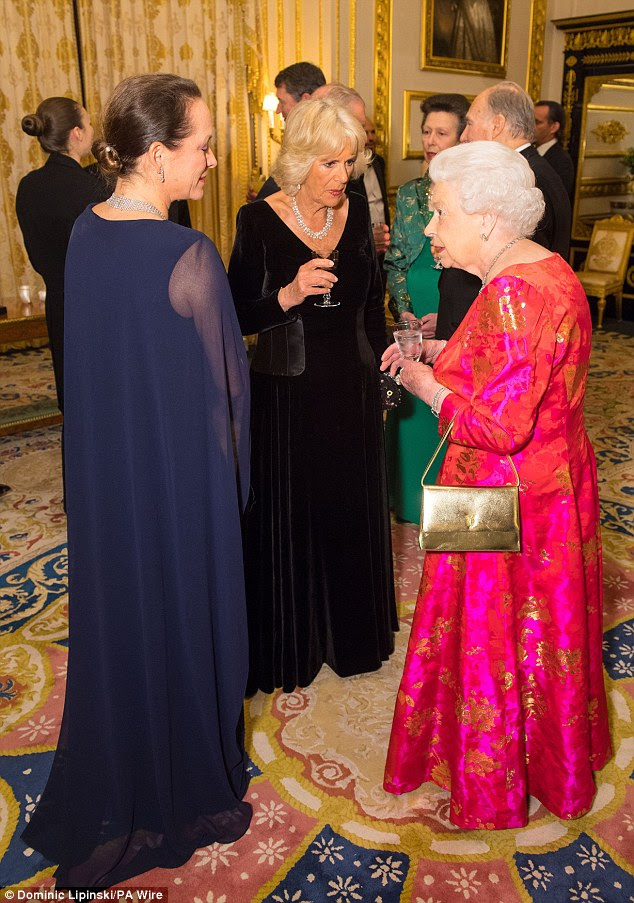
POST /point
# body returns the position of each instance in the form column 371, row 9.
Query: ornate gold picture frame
column 465, row 36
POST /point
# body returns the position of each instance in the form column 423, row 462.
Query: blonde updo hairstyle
column 143, row 109
column 491, row 178
column 317, row 128
column 53, row 122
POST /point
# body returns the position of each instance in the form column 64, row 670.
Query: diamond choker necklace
column 120, row 202
column 330, row 215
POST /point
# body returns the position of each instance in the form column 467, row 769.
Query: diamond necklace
column 330, row 215
column 496, row 258
column 123, row 203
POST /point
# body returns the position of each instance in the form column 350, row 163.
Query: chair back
column 609, row 248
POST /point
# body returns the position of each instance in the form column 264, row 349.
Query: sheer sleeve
column 255, row 299
column 199, row 289
column 508, row 360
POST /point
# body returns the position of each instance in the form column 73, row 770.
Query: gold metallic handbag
column 469, row 518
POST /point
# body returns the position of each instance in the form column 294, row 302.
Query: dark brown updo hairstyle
column 52, row 123
column 447, row 103
column 143, row 109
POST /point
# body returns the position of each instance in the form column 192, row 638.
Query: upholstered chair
column 605, row 266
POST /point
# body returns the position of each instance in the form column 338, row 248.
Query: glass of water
column 410, row 342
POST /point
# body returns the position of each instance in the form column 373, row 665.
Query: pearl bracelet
column 435, row 408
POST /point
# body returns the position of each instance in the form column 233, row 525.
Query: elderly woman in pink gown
column 502, row 694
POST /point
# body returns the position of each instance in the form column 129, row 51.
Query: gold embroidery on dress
column 589, row 550
column 575, row 375
column 563, row 478
column 478, row 763
column 533, row 702
column 512, row 317
column 593, row 710
column 404, row 699
column 559, row 662
column 477, row 713
column 535, row 610
column 428, row 646
column 441, row 775
column 505, row 677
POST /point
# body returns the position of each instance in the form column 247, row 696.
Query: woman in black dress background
column 48, row 202
column 317, row 537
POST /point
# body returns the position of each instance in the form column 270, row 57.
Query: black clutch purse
column 390, row 391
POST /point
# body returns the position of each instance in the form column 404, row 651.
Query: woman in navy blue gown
column 150, row 763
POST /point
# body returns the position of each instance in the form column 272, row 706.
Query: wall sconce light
column 270, row 105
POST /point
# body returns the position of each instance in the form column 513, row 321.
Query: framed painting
column 412, row 148
column 465, row 36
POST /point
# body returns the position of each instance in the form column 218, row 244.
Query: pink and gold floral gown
column 502, row 694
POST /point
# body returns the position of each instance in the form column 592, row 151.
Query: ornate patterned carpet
column 323, row 829
column 27, row 386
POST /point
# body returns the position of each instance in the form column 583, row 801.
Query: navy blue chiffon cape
column 150, row 763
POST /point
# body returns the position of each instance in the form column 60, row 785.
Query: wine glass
column 326, row 297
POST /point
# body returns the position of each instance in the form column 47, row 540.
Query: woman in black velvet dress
column 317, row 537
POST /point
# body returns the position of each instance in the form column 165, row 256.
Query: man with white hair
column 505, row 113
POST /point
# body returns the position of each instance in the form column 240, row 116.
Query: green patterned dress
column 411, row 430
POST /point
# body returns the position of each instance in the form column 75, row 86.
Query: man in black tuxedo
column 549, row 125
column 373, row 186
column 505, row 113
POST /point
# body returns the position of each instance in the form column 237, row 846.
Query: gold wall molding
column 280, row 35
column 598, row 188
column 610, row 132
column 383, row 75
column 610, row 36
column 298, row 30
column 570, row 96
column 353, row 43
column 601, row 59
column 337, row 77
column 537, row 30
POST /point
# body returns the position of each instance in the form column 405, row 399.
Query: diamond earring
column 161, row 174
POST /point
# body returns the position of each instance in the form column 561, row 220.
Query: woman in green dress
column 412, row 282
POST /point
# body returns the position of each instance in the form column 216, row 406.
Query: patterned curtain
column 211, row 41
column 38, row 59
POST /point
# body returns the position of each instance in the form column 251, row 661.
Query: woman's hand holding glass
column 415, row 376
column 312, row 278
